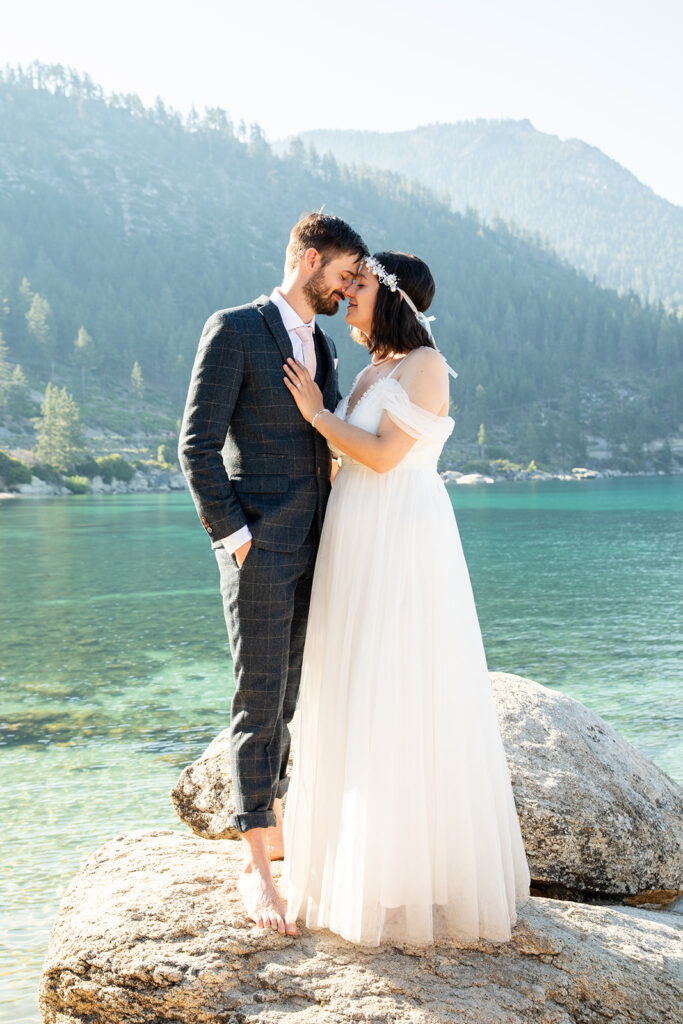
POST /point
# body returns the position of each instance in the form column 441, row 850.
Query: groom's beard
column 322, row 300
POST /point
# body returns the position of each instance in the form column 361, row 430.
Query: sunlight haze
column 605, row 72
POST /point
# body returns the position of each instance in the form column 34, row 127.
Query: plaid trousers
column 266, row 609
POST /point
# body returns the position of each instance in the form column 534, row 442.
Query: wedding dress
column 400, row 822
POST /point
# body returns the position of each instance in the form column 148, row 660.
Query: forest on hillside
column 134, row 224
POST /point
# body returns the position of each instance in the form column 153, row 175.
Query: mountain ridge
column 587, row 206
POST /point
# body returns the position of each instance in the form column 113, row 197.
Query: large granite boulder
column 598, row 818
column 152, row 930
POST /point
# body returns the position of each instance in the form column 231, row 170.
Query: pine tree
column 18, row 398
column 39, row 321
column 137, row 382
column 481, row 440
column 5, row 373
column 25, row 294
column 84, row 354
column 60, row 439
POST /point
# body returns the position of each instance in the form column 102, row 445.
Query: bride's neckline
column 379, row 380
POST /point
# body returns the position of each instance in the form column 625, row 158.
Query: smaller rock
column 203, row 796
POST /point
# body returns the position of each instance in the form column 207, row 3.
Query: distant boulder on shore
column 474, row 478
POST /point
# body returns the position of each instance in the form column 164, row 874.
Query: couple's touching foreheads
column 345, row 589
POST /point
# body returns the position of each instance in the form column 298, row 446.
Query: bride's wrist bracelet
column 319, row 413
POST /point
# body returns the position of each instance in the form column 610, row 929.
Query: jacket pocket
column 260, row 484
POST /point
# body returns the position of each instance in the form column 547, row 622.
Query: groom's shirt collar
column 290, row 317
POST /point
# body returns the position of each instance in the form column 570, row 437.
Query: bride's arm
column 423, row 377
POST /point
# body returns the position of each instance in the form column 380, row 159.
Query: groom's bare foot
column 262, row 901
column 274, row 836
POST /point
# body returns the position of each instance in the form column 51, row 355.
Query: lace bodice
column 388, row 395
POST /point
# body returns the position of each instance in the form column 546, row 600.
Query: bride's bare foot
column 274, row 836
column 290, row 924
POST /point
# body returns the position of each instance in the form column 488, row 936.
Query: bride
column 400, row 821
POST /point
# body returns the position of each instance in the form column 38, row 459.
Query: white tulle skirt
column 400, row 821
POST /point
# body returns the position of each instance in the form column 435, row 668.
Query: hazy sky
column 605, row 71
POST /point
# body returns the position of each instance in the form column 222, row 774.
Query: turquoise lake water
column 115, row 670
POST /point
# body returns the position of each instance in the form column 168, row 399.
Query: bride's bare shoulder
column 423, row 361
column 424, row 375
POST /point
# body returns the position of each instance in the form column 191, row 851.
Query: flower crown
column 376, row 268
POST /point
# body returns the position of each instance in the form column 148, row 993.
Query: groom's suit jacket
column 249, row 456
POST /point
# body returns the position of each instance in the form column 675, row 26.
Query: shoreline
column 454, row 477
column 174, row 482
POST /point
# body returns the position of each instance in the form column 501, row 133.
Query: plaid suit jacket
column 248, row 455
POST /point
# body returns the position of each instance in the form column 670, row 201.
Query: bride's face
column 362, row 295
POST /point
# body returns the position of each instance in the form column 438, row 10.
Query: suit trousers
column 265, row 603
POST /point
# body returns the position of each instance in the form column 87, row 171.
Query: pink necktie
column 305, row 332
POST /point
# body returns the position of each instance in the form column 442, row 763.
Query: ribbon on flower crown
column 391, row 282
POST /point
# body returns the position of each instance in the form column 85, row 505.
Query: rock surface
column 597, row 817
column 152, row 930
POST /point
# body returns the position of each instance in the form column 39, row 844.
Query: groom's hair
column 331, row 236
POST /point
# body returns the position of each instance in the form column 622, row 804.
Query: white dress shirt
column 291, row 320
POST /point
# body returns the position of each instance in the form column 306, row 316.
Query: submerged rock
column 598, row 819
column 152, row 930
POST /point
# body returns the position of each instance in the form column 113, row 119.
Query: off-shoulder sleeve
column 413, row 419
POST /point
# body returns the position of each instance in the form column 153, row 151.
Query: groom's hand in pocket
column 241, row 553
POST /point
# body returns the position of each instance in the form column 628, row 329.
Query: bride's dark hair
column 395, row 328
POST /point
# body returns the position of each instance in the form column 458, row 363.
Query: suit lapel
column 324, row 344
column 271, row 314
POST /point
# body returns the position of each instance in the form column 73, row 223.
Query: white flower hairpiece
column 376, row 268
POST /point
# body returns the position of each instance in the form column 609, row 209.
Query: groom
column 259, row 477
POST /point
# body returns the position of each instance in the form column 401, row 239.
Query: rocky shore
column 452, row 476
column 151, row 481
column 152, row 929
column 162, row 481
